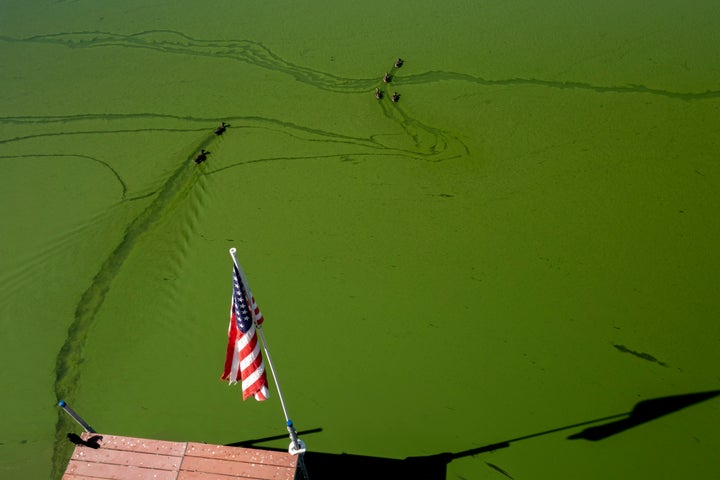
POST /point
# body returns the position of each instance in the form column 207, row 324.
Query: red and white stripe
column 243, row 359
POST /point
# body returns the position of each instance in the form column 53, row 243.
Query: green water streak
column 70, row 357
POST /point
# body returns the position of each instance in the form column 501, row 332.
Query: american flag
column 243, row 360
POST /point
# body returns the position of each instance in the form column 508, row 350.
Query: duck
column 395, row 97
column 221, row 129
column 202, row 156
column 387, row 78
column 378, row 94
column 399, row 63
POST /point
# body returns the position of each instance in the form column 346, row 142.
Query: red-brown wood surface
column 249, row 455
column 126, row 458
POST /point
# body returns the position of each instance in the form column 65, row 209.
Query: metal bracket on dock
column 75, row 416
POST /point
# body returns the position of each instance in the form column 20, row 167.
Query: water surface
column 526, row 241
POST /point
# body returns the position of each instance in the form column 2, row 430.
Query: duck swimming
column 387, row 78
column 395, row 97
column 202, row 156
column 378, row 94
column 221, row 129
column 399, row 63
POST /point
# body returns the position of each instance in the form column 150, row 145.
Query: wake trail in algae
column 257, row 54
column 70, row 357
column 427, row 143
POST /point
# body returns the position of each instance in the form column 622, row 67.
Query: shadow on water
column 644, row 412
column 323, row 466
column 92, row 442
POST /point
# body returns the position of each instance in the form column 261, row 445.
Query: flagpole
column 75, row 416
column 297, row 446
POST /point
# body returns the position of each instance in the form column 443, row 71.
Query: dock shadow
column 92, row 441
column 644, row 412
column 326, row 466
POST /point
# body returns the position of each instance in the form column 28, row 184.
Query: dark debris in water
column 644, row 356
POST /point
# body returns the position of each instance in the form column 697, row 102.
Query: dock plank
column 211, row 476
column 117, row 472
column 129, row 458
column 144, row 445
column 240, row 454
column 239, row 469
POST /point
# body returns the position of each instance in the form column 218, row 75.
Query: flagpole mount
column 296, row 451
column 297, row 446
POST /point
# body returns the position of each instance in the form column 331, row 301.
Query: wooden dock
column 126, row 458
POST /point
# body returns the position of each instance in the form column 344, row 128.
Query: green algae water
column 510, row 272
